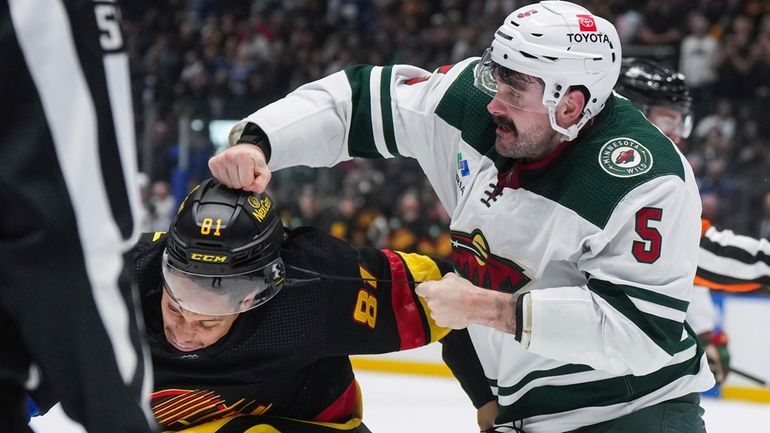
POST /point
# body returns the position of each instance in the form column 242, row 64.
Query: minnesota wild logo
column 625, row 157
column 474, row 260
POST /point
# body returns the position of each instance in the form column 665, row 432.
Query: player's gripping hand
column 448, row 300
column 455, row 302
column 717, row 353
column 486, row 415
column 242, row 166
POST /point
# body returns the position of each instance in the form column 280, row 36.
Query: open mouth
column 504, row 126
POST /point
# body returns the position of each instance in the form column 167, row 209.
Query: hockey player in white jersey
column 575, row 222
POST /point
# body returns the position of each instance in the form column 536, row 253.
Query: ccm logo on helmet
column 208, row 258
column 588, row 37
column 586, row 23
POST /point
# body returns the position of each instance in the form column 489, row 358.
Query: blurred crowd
column 194, row 61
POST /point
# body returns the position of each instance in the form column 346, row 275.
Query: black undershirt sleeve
column 460, row 356
column 253, row 134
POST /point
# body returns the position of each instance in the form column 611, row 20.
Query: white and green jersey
column 601, row 236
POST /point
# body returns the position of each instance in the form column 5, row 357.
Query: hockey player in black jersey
column 250, row 324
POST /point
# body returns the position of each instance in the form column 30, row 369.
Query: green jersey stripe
column 655, row 297
column 361, row 141
column 503, row 391
column 649, row 295
column 558, row 371
column 664, row 332
column 387, row 111
column 557, row 399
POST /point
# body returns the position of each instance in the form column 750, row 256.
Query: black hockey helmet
column 223, row 252
column 648, row 84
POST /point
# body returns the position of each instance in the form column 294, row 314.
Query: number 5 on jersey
column 108, row 21
column 648, row 250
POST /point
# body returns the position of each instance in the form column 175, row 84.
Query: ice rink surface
column 395, row 403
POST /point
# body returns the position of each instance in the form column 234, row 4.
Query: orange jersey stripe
column 736, row 288
column 704, row 226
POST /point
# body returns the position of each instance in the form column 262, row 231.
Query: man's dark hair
column 519, row 80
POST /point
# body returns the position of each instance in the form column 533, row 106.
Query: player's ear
column 570, row 108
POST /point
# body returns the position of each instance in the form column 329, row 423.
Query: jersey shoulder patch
column 625, row 157
column 630, row 146
column 621, row 152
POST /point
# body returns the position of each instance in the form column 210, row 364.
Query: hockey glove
column 717, row 353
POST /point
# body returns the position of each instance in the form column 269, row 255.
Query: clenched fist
column 455, row 302
column 242, row 166
column 448, row 300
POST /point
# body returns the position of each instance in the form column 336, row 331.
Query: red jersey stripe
column 345, row 407
column 407, row 312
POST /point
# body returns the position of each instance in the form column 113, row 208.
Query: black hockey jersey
column 288, row 358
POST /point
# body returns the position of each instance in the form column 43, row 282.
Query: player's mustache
column 504, row 122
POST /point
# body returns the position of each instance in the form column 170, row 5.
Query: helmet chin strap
column 571, row 132
column 569, row 135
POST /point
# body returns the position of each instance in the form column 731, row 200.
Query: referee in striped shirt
column 67, row 191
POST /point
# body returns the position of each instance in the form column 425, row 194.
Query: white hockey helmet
column 564, row 45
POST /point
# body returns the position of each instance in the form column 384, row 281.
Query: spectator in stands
column 407, row 224
column 760, row 74
column 718, row 183
column 662, row 22
column 342, row 217
column 722, row 119
column 711, row 209
column 698, row 55
column 160, row 206
column 736, row 60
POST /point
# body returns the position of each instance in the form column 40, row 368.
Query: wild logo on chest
column 474, row 260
